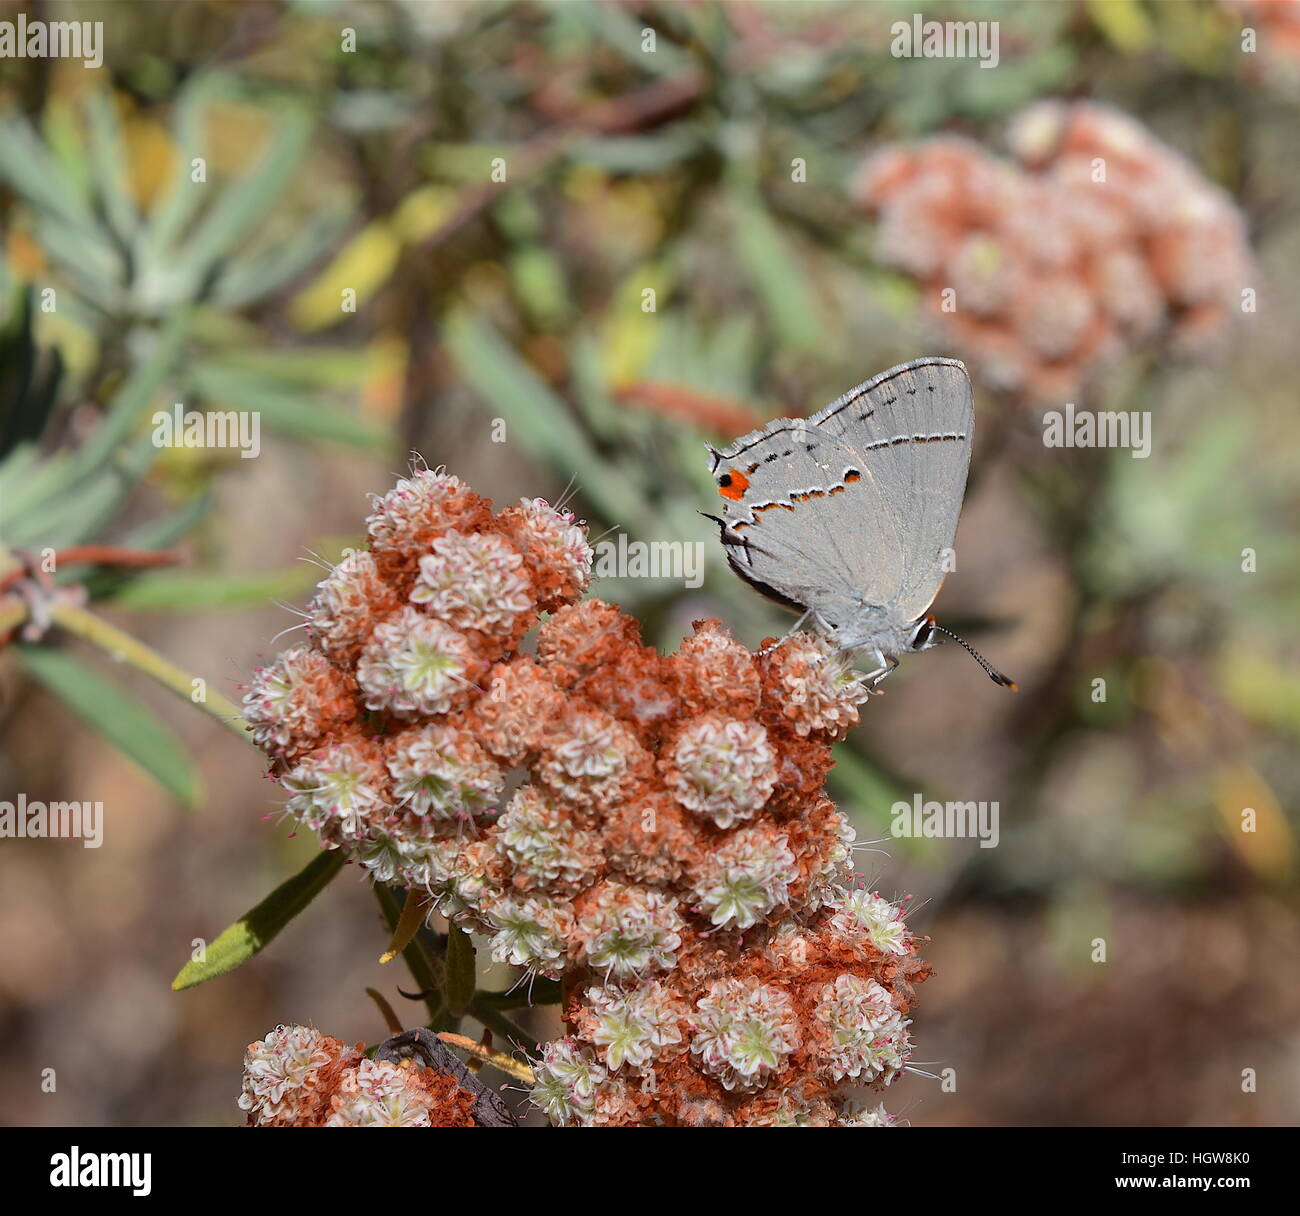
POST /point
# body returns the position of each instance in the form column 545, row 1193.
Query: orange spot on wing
column 733, row 484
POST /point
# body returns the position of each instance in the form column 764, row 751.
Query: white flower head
column 473, row 581
column 414, row 664
column 724, row 769
column 741, row 882
column 744, row 1032
column 629, row 931
column 440, row 772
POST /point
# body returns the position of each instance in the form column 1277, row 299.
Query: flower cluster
column 298, row 1077
column 665, row 848
column 1096, row 239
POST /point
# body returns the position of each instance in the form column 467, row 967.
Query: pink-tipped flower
column 722, row 769
column 555, row 549
column 439, row 771
column 544, row 845
column 747, row 878
column 296, row 701
column 347, row 604
column 744, row 1032
column 821, row 690
column 634, row 1025
column 288, row 1075
column 420, row 508
column 339, row 789
column 298, row 1077
column 473, row 582
column 414, row 665
column 626, row 931
column 863, row 1036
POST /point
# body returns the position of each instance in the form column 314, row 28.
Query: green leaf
column 185, row 590
column 181, row 197
column 124, row 722
column 255, row 929
column 462, row 977
column 107, row 161
column 302, row 415
column 779, row 281
column 52, row 479
column 28, row 167
column 536, row 413
column 259, row 275
column 248, row 200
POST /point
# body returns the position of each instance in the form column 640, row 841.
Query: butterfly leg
column 788, row 634
column 873, row 678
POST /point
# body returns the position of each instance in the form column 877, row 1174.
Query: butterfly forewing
column 913, row 427
column 856, row 506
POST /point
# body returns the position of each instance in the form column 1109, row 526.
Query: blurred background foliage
column 244, row 209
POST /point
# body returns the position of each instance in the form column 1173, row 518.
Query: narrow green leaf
column 52, row 479
column 123, row 721
column 537, row 414
column 292, row 412
column 107, row 161
column 777, row 277
column 181, row 197
column 462, row 976
column 187, row 590
column 245, row 202
column 255, row 929
column 26, row 164
column 258, row 275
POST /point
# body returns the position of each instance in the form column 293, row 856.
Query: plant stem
column 498, row 1023
column 537, row 991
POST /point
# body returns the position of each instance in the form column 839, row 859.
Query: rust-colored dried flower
column 1043, row 270
column 298, row 1077
column 667, row 851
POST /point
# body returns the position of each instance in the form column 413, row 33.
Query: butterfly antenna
column 989, row 670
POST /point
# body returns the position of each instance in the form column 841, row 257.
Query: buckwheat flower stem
column 124, row 648
column 391, row 1019
column 498, row 1023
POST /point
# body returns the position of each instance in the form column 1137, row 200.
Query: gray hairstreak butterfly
column 848, row 517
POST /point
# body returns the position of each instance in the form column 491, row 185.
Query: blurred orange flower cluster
column 1095, row 240
column 1275, row 57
